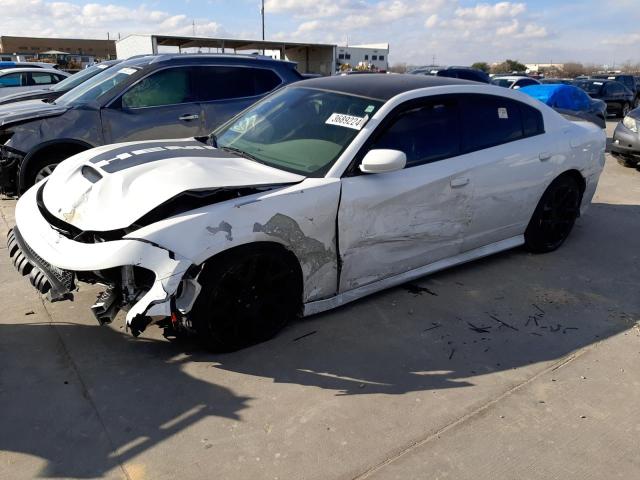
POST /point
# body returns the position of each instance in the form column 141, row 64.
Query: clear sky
column 454, row 31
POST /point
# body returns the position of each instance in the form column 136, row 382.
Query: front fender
column 301, row 217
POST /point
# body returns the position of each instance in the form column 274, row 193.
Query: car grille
column 55, row 282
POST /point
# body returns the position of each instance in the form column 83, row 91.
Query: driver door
column 390, row 223
column 161, row 105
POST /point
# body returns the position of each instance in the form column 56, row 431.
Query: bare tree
column 398, row 68
column 573, row 69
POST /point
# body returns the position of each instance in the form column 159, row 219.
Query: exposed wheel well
column 258, row 247
column 60, row 150
column 577, row 176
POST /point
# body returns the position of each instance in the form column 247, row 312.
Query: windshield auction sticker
column 348, row 121
column 127, row 70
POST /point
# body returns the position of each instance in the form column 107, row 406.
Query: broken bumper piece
column 56, row 283
column 54, row 261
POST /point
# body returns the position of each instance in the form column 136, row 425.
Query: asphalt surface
column 516, row 366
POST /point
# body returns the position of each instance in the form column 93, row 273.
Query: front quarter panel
column 301, row 217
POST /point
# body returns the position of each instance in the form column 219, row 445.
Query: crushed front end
column 150, row 283
column 10, row 159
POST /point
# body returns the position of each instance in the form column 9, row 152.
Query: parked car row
column 227, row 225
column 18, row 80
column 57, row 89
column 146, row 98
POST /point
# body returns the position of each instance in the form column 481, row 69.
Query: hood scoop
column 140, row 183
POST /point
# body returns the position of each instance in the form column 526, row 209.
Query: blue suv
column 145, row 98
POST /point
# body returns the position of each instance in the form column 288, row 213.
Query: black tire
column 625, row 162
column 247, row 297
column 37, row 166
column 554, row 216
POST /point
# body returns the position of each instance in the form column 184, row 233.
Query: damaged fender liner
column 56, row 283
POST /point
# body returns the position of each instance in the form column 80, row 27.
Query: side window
column 13, row 80
column 425, row 134
column 532, row 122
column 166, row 87
column 222, row 82
column 42, row 78
column 488, row 121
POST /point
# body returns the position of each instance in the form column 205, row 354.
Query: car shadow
column 450, row 330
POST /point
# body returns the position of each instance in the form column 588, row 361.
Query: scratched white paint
column 391, row 227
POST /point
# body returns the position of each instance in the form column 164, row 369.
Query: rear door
column 225, row 90
column 510, row 159
column 390, row 223
column 160, row 105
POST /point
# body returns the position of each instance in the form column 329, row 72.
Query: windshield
column 590, row 87
column 96, row 86
column 77, row 78
column 502, row 82
column 297, row 129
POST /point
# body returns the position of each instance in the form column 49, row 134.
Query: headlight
column 630, row 123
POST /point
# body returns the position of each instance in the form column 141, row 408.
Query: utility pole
column 194, row 28
column 262, row 15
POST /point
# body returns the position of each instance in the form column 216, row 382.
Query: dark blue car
column 145, row 98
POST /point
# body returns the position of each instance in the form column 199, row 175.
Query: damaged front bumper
column 54, row 263
column 10, row 159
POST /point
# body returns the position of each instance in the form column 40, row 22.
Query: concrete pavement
column 515, row 366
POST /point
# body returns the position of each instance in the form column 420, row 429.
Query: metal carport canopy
column 311, row 57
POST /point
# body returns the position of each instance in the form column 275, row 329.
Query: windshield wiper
column 241, row 153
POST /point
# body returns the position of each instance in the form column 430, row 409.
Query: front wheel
column 554, row 215
column 247, row 297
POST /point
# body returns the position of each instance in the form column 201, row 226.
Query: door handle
column 459, row 182
column 187, row 118
column 544, row 156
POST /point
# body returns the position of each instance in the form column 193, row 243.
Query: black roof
column 380, row 86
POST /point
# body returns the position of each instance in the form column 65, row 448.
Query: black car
column 625, row 145
column 146, row 98
column 628, row 81
column 59, row 89
column 618, row 98
column 553, row 81
column 465, row 73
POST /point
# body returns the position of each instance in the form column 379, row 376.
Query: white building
column 539, row 67
column 371, row 56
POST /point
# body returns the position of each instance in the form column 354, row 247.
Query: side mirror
column 383, row 161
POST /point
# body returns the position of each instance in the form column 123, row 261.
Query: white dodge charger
column 324, row 192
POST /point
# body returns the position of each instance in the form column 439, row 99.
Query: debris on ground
column 418, row 290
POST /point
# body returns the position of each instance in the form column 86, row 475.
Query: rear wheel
column 554, row 216
column 247, row 297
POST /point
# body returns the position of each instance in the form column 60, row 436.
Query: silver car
column 14, row 80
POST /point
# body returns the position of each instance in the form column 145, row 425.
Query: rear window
column 488, row 121
column 228, row 82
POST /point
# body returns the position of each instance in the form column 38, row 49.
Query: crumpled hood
column 28, row 110
column 109, row 188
